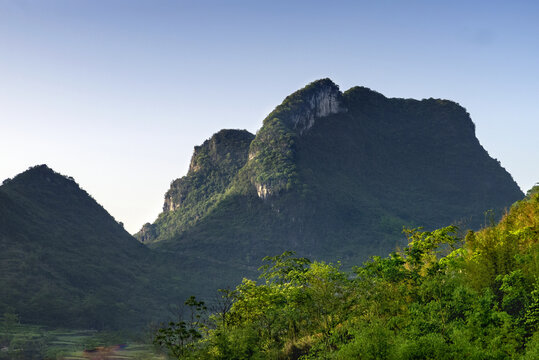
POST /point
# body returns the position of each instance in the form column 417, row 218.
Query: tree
column 180, row 337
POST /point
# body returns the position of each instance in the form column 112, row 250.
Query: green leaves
column 417, row 303
column 284, row 268
column 180, row 337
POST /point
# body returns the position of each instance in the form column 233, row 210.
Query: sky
column 116, row 93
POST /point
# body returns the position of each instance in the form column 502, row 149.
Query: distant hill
column 64, row 261
column 332, row 176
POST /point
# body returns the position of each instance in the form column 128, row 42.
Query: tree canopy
column 443, row 296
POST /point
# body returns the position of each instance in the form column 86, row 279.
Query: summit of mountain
column 335, row 175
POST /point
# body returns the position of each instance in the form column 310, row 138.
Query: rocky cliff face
column 271, row 166
column 148, row 233
column 213, row 166
column 322, row 100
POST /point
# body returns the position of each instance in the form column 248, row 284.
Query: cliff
column 213, row 166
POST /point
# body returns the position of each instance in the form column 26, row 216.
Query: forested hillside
column 332, row 176
column 65, row 262
column 443, row 296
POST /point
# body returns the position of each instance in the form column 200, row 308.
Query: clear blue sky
column 117, row 93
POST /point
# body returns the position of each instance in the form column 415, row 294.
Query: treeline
column 442, row 297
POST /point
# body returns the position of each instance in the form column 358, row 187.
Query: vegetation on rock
column 213, row 166
column 335, row 175
column 440, row 297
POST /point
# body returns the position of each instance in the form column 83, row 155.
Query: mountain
column 440, row 297
column 213, row 166
column 330, row 175
column 66, row 262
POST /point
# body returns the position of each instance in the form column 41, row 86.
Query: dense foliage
column 440, row 297
column 272, row 158
column 64, row 261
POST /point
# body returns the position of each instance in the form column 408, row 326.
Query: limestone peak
column 318, row 99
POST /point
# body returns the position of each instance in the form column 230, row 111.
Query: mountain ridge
column 342, row 185
column 330, row 175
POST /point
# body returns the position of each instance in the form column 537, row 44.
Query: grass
column 28, row 342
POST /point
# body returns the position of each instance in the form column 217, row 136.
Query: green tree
column 180, row 337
